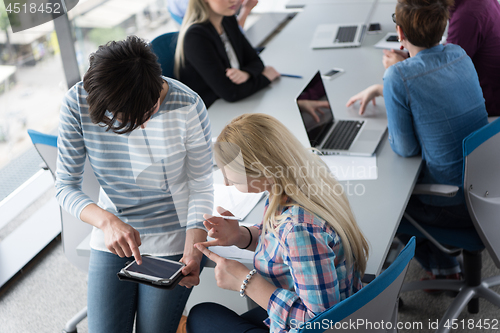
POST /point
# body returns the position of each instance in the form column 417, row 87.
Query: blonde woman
column 214, row 58
column 309, row 251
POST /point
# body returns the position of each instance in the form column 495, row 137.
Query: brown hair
column 124, row 78
column 423, row 21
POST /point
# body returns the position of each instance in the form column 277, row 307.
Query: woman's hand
column 270, row 73
column 366, row 96
column 225, row 232
column 249, row 4
column 393, row 56
column 229, row 274
column 313, row 107
column 121, row 239
column 237, row 76
column 192, row 258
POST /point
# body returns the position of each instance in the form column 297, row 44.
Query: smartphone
column 332, row 73
column 392, row 38
column 374, row 28
column 156, row 270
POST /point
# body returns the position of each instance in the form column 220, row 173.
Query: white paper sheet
column 352, row 167
column 238, row 203
column 233, row 252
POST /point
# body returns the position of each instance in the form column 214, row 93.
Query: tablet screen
column 156, row 267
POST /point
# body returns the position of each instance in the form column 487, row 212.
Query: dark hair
column 423, row 21
column 124, row 78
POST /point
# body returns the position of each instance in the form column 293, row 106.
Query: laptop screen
column 315, row 110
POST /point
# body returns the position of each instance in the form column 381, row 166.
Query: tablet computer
column 154, row 271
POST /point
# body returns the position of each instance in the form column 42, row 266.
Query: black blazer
column 206, row 62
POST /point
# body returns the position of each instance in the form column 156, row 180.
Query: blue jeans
column 427, row 254
column 216, row 318
column 113, row 304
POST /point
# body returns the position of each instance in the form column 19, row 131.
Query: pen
column 291, row 75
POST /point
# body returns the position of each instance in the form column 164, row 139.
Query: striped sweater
column 157, row 179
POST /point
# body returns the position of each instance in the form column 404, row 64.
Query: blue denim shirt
column 433, row 102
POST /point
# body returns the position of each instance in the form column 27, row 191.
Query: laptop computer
column 341, row 35
column 334, row 136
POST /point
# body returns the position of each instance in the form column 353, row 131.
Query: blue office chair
column 376, row 302
column 482, row 196
column 164, row 48
column 73, row 231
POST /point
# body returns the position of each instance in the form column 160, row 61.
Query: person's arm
column 250, row 61
column 312, row 264
column 200, row 51
column 198, row 166
column 313, row 269
column 120, row 238
column 464, row 30
column 246, row 8
column 367, row 95
column 71, row 156
column 227, row 232
column 402, row 135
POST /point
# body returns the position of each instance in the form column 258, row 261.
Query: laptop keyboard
column 343, row 135
column 346, row 34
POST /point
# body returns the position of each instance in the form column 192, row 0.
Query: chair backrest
column 74, row 231
column 376, row 302
column 482, row 184
column 164, row 48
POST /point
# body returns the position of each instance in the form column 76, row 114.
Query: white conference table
column 381, row 206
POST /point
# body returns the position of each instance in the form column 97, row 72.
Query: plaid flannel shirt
column 306, row 263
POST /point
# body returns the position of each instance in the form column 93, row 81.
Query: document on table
column 238, row 203
column 352, row 167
